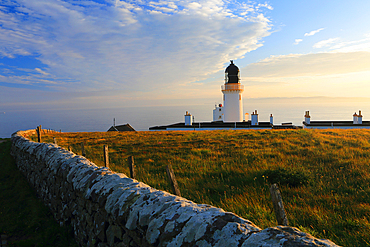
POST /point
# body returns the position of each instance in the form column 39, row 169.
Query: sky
column 116, row 53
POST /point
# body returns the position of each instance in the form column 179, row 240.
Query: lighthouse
column 232, row 90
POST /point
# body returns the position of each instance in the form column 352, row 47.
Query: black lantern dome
column 232, row 73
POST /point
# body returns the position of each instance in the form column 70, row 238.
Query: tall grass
column 324, row 175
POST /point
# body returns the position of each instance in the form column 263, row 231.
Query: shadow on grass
column 23, row 217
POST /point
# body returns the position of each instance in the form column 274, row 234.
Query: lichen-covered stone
column 284, row 236
column 110, row 209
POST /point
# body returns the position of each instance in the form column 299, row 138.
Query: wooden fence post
column 83, row 149
column 131, row 166
column 106, row 156
column 171, row 176
column 38, row 130
column 55, row 141
column 277, row 201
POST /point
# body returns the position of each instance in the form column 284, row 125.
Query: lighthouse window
column 219, row 109
column 240, row 97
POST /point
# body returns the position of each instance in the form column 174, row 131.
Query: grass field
column 324, row 175
column 23, row 217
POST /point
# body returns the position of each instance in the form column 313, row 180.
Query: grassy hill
column 324, row 175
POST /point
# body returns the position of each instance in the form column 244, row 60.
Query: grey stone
column 113, row 232
column 284, row 236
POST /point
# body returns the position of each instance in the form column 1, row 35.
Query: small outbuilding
column 356, row 123
column 124, row 127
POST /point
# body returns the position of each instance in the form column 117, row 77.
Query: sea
column 284, row 110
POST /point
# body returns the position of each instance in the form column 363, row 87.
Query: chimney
column 246, row 117
column 188, row 119
column 307, row 117
column 271, row 120
column 359, row 117
column 355, row 118
column 254, row 118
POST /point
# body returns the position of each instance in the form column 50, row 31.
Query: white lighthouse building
column 232, row 90
column 228, row 115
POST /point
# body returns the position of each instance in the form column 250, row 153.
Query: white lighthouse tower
column 232, row 90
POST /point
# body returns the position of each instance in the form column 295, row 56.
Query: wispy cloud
column 313, row 32
column 297, row 41
column 129, row 45
column 265, row 5
column 352, row 46
column 315, row 64
column 326, row 74
column 336, row 44
column 325, row 43
column 41, row 71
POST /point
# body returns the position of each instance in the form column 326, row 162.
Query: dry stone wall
column 110, row 209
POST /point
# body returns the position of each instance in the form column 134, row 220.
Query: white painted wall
column 218, row 113
column 254, row 120
column 233, row 106
column 188, row 119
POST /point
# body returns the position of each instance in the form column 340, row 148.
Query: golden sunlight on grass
column 324, row 175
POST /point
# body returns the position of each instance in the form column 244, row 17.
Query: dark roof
column 215, row 124
column 124, row 127
column 335, row 123
column 286, row 126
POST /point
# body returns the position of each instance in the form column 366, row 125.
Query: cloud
column 337, row 45
column 313, row 32
column 315, row 64
column 265, row 5
column 127, row 45
column 351, row 46
column 41, row 71
column 336, row 74
column 325, row 43
column 297, row 41
column 164, row 7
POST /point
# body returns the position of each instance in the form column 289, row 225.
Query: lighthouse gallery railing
column 232, row 86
